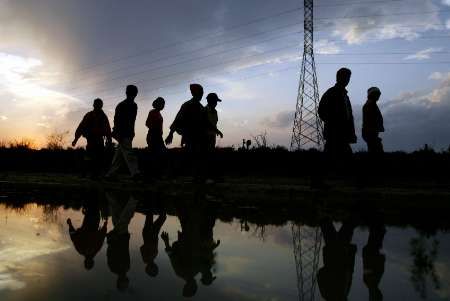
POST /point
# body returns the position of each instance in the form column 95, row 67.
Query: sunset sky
column 57, row 56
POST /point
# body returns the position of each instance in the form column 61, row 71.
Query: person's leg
column 328, row 231
column 345, row 234
column 129, row 156
column 116, row 162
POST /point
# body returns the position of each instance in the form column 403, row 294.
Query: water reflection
column 176, row 245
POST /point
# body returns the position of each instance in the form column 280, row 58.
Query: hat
column 213, row 97
column 373, row 90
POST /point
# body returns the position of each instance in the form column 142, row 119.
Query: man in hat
column 372, row 122
column 211, row 114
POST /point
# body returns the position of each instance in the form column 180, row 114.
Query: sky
column 57, row 56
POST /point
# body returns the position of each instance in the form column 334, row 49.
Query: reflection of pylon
column 306, row 243
column 307, row 129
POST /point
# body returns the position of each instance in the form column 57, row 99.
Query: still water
column 117, row 249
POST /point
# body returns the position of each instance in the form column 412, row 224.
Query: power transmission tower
column 306, row 242
column 307, row 130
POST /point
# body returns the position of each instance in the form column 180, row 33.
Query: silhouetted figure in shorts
column 372, row 122
column 95, row 128
column 123, row 132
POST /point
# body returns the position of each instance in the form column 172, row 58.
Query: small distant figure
column 335, row 110
column 150, row 235
column 89, row 238
column 211, row 114
column 95, row 128
column 154, row 124
column 123, row 132
column 372, row 122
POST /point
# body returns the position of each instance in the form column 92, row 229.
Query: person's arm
column 176, row 124
column 79, row 131
column 148, row 121
column 107, row 129
column 165, row 238
column 323, row 107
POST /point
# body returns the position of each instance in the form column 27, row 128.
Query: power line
column 224, row 31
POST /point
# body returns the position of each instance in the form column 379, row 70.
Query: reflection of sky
column 37, row 261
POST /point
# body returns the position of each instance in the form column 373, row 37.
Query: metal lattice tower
column 306, row 242
column 307, row 130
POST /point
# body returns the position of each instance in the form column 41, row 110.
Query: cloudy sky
column 57, row 56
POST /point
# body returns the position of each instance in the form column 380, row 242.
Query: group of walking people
column 197, row 125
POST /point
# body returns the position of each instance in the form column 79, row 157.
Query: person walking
column 123, row 132
column 191, row 123
column 372, row 122
column 155, row 139
column 95, row 128
column 212, row 117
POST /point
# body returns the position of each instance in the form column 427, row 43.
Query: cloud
column 417, row 118
column 326, row 47
column 3, row 118
column 380, row 22
column 446, row 2
column 424, row 54
column 282, row 119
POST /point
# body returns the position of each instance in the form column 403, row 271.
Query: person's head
column 98, row 104
column 212, row 99
column 159, row 103
column 190, row 288
column 343, row 77
column 88, row 263
column 373, row 94
column 131, row 92
column 152, row 269
column 122, row 283
column 207, row 278
column 196, row 91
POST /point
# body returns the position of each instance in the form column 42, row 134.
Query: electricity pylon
column 307, row 129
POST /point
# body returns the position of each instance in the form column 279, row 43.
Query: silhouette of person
column 208, row 245
column 88, row 239
column 191, row 123
column 335, row 277
column 123, row 132
column 150, row 235
column 211, row 114
column 211, row 133
column 335, row 110
column 155, row 139
column 372, row 121
column 118, row 239
column 374, row 260
column 95, row 128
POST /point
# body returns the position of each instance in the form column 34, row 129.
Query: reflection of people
column 150, row 235
column 372, row 121
column 193, row 252
column 373, row 261
column 123, row 132
column 335, row 277
column 95, row 128
column 118, row 252
column 89, row 238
